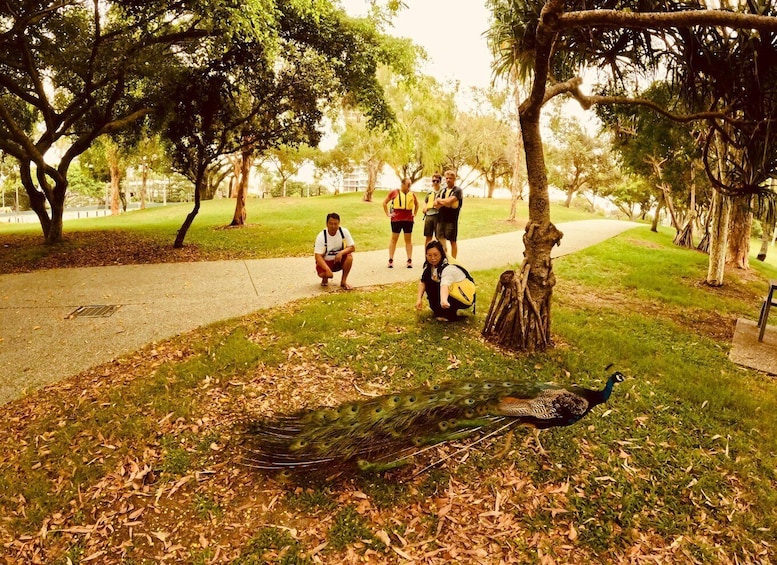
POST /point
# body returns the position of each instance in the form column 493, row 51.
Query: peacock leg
column 536, row 433
column 508, row 443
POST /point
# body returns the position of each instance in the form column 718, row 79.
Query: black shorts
column 398, row 227
column 447, row 230
column 430, row 225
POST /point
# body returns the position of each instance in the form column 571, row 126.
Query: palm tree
column 540, row 41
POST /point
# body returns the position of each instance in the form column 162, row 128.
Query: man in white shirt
column 334, row 252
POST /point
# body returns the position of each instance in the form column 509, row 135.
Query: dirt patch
column 26, row 253
column 704, row 322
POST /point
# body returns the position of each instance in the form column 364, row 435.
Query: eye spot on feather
column 443, row 426
column 299, row 444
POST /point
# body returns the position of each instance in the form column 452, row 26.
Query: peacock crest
column 386, row 431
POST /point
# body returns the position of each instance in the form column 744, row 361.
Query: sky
column 451, row 32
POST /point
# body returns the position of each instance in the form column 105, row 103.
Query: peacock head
column 617, row 377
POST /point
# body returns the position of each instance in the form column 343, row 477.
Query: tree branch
column 587, row 101
column 663, row 20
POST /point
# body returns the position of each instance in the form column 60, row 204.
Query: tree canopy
column 70, row 72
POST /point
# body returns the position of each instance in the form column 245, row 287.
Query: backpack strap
column 326, row 245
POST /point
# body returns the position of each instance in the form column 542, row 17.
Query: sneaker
column 409, row 263
column 391, row 264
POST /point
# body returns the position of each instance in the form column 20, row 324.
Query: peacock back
column 387, row 429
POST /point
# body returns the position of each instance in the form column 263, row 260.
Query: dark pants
column 433, row 295
column 430, row 225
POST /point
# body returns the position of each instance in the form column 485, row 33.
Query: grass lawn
column 145, row 458
column 277, row 227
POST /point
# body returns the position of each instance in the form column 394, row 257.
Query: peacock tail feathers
column 388, row 429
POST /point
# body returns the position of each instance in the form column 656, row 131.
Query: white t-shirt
column 451, row 274
column 334, row 243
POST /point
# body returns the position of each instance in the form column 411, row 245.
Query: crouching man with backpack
column 448, row 287
column 334, row 252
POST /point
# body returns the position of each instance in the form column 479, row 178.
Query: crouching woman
column 436, row 281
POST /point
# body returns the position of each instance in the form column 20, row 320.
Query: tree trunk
column 718, row 233
column 519, row 314
column 373, row 169
column 570, row 194
column 670, row 207
column 37, row 199
column 491, row 185
column 235, row 181
column 115, row 188
column 190, row 217
column 659, row 205
column 766, row 240
column 143, row 184
column 740, row 224
column 239, row 218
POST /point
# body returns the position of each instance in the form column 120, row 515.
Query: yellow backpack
column 464, row 291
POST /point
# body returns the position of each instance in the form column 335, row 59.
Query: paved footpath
column 40, row 343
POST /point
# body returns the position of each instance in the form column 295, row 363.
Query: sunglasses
column 436, row 181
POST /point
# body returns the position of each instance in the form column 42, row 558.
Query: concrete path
column 40, row 343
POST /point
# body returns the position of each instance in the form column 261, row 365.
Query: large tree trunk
column 718, row 232
column 519, row 314
column 239, row 218
column 740, row 224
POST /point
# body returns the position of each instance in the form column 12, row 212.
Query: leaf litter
column 92, row 495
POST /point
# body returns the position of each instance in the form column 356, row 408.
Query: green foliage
column 205, row 507
column 273, row 545
column 82, row 182
column 310, row 500
column 349, row 527
column 176, row 460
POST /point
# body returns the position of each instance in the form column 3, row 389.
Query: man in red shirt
column 401, row 206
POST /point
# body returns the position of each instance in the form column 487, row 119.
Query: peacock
column 385, row 432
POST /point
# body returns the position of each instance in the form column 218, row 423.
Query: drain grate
column 96, row 311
